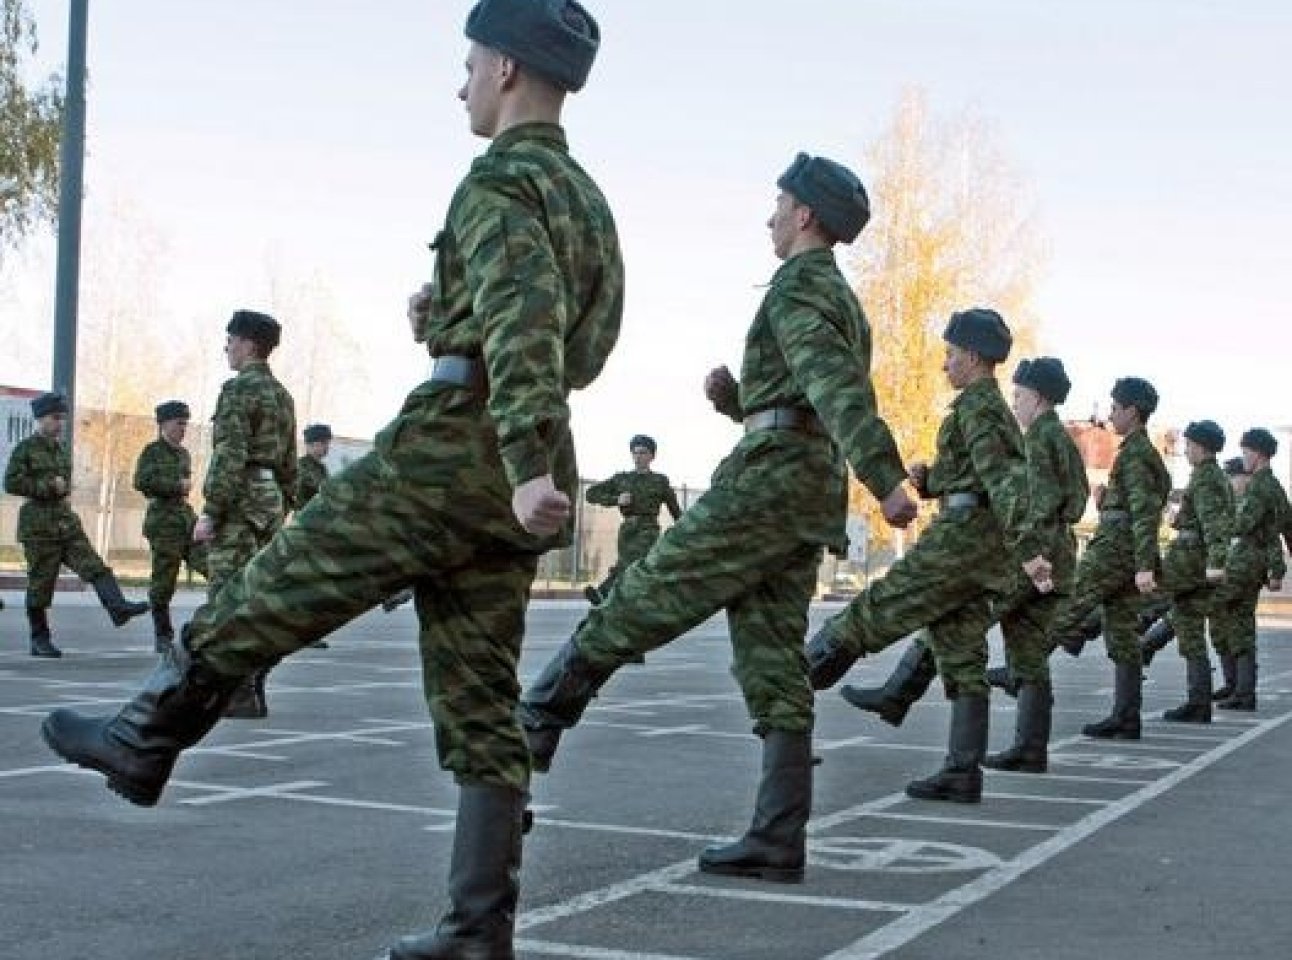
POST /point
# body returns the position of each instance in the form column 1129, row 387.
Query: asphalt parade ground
column 323, row 832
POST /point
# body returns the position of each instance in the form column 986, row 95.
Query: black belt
column 466, row 372
column 964, row 500
column 260, row 473
column 784, row 418
column 1114, row 516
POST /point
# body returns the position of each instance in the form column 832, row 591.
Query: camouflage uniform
column 311, row 474
column 1255, row 556
column 1203, row 529
column 169, row 520
column 640, row 527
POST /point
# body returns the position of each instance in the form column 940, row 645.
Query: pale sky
column 1153, row 135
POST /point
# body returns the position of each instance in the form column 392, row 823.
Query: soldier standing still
column 638, row 493
column 1122, row 561
column 252, row 473
column 311, row 468
column 463, row 491
column 1194, row 566
column 1255, row 562
column 753, row 542
column 164, row 474
column 40, row 470
column 966, row 560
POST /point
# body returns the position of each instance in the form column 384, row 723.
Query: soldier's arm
column 19, row 478
column 517, row 293
column 993, row 451
column 288, row 467
column 827, row 370
column 605, row 493
column 1145, row 507
column 1046, row 487
column 1213, row 503
column 226, row 473
column 670, row 499
column 151, row 478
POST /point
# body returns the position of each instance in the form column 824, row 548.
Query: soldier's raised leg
column 80, row 557
column 909, row 681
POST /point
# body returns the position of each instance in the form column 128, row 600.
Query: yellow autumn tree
column 951, row 228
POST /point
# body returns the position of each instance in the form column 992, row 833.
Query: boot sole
column 1119, row 735
column 138, row 796
column 1014, row 766
column 943, row 797
column 774, row 874
column 893, row 718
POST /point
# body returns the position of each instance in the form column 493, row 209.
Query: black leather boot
column 1197, row 705
column 484, row 882
column 42, row 643
column 1151, row 612
column 181, row 701
column 121, row 610
column 163, row 631
column 1157, row 636
column 1030, row 752
column 556, row 700
column 1244, row 695
column 1124, row 722
column 248, row 701
column 828, row 658
column 1227, row 671
column 904, row 687
column 1089, row 629
column 1003, row 679
column 960, row 779
column 775, row 845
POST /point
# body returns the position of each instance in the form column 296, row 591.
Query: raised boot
column 136, row 750
column 1151, row 612
column 1244, row 696
column 904, row 687
column 1089, row 629
column 775, row 845
column 1030, row 752
column 828, row 658
column 1197, row 706
column 42, row 643
column 1157, row 636
column 248, row 701
column 120, row 610
column 960, row 779
column 1124, row 722
column 1227, row 671
column 556, row 700
column 484, row 881
column 1003, row 679
column 163, row 630
column 397, row 600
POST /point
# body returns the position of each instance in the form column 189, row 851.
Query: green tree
column 30, row 121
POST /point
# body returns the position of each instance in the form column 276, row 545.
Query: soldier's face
column 486, row 72
column 173, row 431
column 1195, row 452
column 1252, row 460
column 51, row 425
column 317, row 449
column 1027, row 405
column 961, row 366
column 783, row 224
column 642, row 458
column 1123, row 419
column 238, row 350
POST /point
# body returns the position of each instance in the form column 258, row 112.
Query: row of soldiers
column 472, row 482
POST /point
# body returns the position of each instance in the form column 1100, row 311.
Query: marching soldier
column 638, row 493
column 1122, row 561
column 164, row 474
column 1193, row 567
column 463, row 492
column 252, row 473
column 40, row 470
column 752, row 543
column 311, row 469
column 966, row 560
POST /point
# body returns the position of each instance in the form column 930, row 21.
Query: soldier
column 1058, row 493
column 1122, row 561
column 966, row 559
column 164, row 474
column 1194, row 565
column 462, row 493
column 311, row 469
column 1255, row 561
column 638, row 493
column 752, row 543
column 40, row 469
column 1236, row 472
column 252, row 473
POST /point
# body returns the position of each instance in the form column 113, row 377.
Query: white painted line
column 549, row 949
column 584, row 902
column 1066, row 777
column 740, row 893
column 1042, row 798
column 225, row 794
column 631, row 831
column 921, row 919
column 968, row 821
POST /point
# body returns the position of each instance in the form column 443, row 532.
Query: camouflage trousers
column 1025, row 618
column 634, row 542
column 725, row 553
column 430, row 507
column 1105, row 577
column 239, row 535
column 1189, row 614
column 1233, row 618
column 947, row 583
column 168, row 554
column 45, row 557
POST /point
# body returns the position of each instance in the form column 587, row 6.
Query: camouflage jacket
column 649, row 492
column 980, row 450
column 158, row 473
column 1205, row 517
column 254, row 427
column 1255, row 553
column 33, row 465
column 1058, row 490
column 311, row 474
column 1139, row 484
column 809, row 347
column 529, row 277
